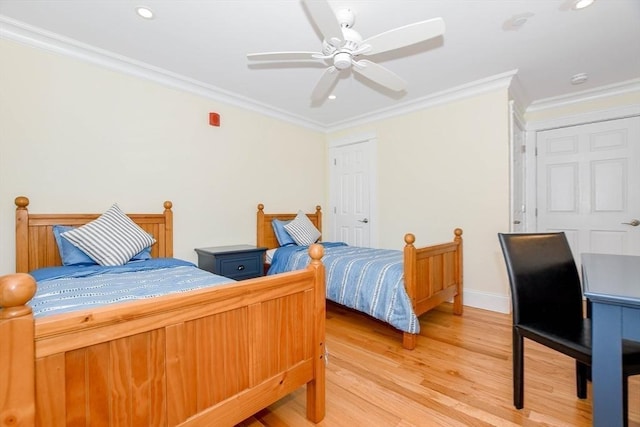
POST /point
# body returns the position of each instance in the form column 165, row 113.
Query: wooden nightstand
column 237, row 262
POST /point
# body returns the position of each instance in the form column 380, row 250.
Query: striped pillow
column 302, row 230
column 112, row 239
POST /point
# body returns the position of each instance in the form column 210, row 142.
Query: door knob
column 364, row 220
column 633, row 223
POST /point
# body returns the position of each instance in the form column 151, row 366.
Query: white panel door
column 350, row 167
column 589, row 185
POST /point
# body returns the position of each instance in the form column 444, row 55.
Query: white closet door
column 589, row 185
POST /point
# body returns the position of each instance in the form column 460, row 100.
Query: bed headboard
column 36, row 246
column 266, row 237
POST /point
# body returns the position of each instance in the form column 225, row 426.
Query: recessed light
column 331, row 97
column 519, row 21
column 581, row 4
column 579, row 78
column 516, row 22
column 144, row 12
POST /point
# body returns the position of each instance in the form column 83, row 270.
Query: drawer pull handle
column 240, row 267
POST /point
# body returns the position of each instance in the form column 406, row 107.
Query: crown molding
column 23, row 33
column 620, row 88
column 471, row 89
column 20, row 32
column 518, row 95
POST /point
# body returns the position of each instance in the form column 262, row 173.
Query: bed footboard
column 433, row 275
column 206, row 357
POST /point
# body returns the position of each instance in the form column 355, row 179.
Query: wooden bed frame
column 206, row 357
column 432, row 274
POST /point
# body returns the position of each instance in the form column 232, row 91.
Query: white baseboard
column 487, row 301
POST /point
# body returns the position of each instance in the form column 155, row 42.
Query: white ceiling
column 205, row 42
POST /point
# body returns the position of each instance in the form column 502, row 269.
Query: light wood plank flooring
column 459, row 375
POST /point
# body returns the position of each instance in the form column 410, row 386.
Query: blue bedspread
column 368, row 280
column 69, row 288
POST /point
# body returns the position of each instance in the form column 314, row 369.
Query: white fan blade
column 405, row 36
column 379, row 74
column 324, row 85
column 282, row 56
column 325, row 19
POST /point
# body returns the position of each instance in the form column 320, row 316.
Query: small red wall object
column 214, row 119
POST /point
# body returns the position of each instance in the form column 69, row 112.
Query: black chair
column 547, row 307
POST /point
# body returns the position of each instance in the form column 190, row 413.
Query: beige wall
column 447, row 167
column 75, row 137
column 78, row 137
column 601, row 104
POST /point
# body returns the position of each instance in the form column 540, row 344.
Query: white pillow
column 111, row 239
column 302, row 230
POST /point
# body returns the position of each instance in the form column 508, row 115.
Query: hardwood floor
column 458, row 375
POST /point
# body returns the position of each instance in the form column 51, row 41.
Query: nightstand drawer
column 243, row 266
column 237, row 262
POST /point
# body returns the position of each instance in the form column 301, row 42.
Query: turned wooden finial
column 22, row 202
column 409, row 239
column 15, row 291
column 316, row 252
column 168, row 205
column 260, row 207
column 458, row 233
column 318, row 208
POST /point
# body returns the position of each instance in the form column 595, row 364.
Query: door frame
column 517, row 125
column 371, row 140
column 532, row 129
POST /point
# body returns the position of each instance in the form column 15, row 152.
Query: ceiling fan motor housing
column 346, row 18
column 342, row 47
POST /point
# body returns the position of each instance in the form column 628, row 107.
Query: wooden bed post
column 17, row 358
column 409, row 265
column 168, row 229
column 319, row 216
column 260, row 226
column 409, row 341
column 316, row 388
column 457, row 300
column 22, row 230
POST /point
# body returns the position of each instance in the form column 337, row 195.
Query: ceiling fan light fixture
column 342, row 60
column 144, row 12
column 581, row 4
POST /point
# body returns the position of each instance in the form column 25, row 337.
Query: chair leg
column 518, row 370
column 582, row 374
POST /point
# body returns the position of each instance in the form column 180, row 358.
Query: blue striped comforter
column 368, row 280
column 65, row 289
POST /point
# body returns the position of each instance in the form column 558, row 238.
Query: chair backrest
column 544, row 280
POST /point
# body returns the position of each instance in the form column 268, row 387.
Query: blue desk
column 612, row 283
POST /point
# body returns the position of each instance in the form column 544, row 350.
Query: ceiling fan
column 342, row 47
